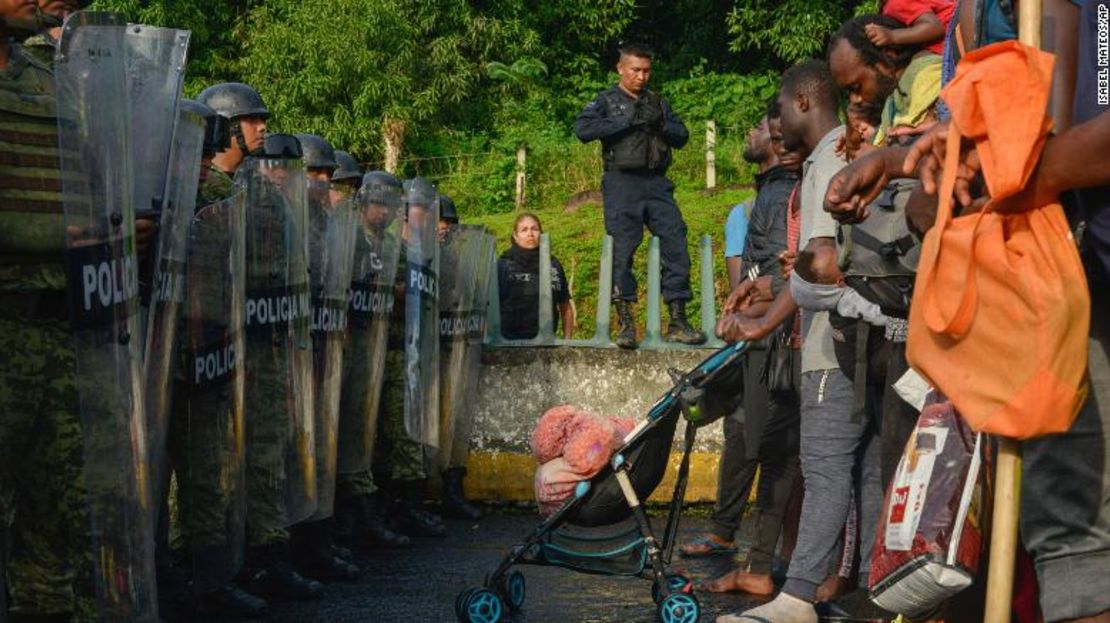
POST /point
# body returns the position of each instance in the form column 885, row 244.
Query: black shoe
column 312, row 553
column 678, row 330
column 231, row 601
column 416, row 523
column 280, row 581
column 342, row 553
column 360, row 525
column 325, row 567
column 626, row 335
column 455, row 504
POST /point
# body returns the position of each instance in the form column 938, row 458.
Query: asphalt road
column 420, row 585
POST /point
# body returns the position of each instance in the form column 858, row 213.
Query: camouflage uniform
column 405, row 456
column 42, row 494
column 42, row 48
column 203, row 440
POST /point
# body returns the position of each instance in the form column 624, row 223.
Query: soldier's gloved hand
column 649, row 113
column 144, row 237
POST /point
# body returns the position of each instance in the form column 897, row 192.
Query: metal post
column 546, row 333
column 652, row 335
column 604, row 292
column 521, row 174
column 711, row 154
column 708, row 293
column 493, row 312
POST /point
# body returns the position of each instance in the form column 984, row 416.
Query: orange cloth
column 1001, row 309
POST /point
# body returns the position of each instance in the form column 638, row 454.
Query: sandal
column 706, row 545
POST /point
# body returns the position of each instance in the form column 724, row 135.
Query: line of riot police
column 219, row 322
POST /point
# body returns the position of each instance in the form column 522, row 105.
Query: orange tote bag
column 1001, row 309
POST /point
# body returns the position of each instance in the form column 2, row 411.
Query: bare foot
column 834, row 587
column 737, row 581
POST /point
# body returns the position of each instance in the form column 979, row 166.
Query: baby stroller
column 565, row 539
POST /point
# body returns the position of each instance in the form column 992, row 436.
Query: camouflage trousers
column 207, row 448
column 405, row 456
column 268, row 432
column 43, row 504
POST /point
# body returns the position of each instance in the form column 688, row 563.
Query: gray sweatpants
column 1065, row 510
column 837, row 454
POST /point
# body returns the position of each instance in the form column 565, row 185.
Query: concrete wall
column 518, row 384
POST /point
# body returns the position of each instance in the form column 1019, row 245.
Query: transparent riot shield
column 280, row 468
column 155, row 69
column 377, row 250
column 168, row 294
column 207, row 442
column 331, row 237
column 102, row 284
column 461, row 249
column 466, row 399
column 422, row 320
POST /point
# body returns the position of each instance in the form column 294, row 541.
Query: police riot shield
column 331, row 237
column 377, row 250
column 168, row 293
column 102, row 285
column 460, row 251
column 421, row 312
column 280, row 469
column 466, row 399
column 207, row 442
column 155, row 68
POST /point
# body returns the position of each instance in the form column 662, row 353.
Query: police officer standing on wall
column 637, row 130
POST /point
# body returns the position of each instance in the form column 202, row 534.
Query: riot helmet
column 235, row 101
column 418, row 192
column 318, row 153
column 447, row 210
column 380, row 198
column 282, row 147
column 346, row 169
column 217, row 130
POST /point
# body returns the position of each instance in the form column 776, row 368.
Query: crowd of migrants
column 232, row 357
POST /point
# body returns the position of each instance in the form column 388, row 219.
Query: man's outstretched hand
column 733, row 327
column 855, row 186
column 927, row 156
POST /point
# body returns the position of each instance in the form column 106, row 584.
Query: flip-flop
column 741, row 618
column 713, row 548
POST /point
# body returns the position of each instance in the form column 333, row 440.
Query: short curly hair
column 854, row 31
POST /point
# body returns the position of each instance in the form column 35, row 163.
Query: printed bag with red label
column 930, row 535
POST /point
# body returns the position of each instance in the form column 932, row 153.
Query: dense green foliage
column 455, row 87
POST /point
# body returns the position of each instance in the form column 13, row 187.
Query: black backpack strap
column 887, row 250
column 859, row 382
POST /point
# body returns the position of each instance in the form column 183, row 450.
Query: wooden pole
column 1007, row 479
column 521, row 160
column 711, row 154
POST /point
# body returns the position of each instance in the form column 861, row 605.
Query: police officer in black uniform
column 637, row 130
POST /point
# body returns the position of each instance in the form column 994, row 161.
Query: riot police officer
column 637, row 130
column 243, row 107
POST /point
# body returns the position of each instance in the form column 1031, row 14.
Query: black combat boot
column 313, row 555
column 455, row 504
column 270, row 575
column 626, row 334
column 359, row 523
column 678, row 330
column 230, row 601
column 410, row 518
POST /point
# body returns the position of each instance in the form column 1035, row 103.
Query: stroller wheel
column 460, row 603
column 677, row 582
column 513, row 590
column 679, row 608
column 481, row 606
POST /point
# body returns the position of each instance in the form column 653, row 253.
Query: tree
column 368, row 74
column 791, row 29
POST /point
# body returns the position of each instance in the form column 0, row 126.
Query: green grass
column 576, row 241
